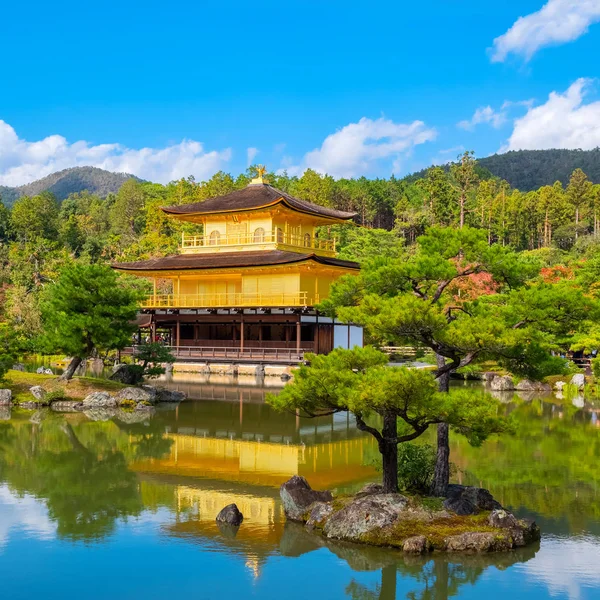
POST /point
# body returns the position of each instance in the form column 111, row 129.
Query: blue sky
column 165, row 90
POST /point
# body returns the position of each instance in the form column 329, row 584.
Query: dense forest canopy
column 40, row 235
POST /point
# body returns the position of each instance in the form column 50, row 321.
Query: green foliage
column 152, row 356
column 87, row 309
column 9, row 349
column 596, row 367
column 416, row 465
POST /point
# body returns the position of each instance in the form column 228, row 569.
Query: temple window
column 259, row 235
column 279, row 235
column 215, row 236
column 307, row 240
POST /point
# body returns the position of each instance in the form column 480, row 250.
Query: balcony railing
column 216, row 240
column 228, row 300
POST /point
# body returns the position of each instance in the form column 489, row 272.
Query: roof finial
column 260, row 172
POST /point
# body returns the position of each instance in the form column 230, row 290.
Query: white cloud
column 251, row 155
column 357, row 147
column 564, row 121
column 22, row 161
column 487, row 115
column 557, row 22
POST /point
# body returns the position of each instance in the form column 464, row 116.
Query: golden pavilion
column 246, row 289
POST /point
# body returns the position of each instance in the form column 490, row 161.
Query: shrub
column 596, row 367
column 56, row 396
column 416, row 464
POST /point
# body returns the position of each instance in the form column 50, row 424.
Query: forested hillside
column 69, row 181
column 528, row 170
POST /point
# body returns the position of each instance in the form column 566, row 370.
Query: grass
column 78, row 388
column 435, row 530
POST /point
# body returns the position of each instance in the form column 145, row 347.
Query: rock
column 144, row 407
column 40, row 370
column 524, row 533
column 18, row 367
column 502, row 384
column 133, row 417
column 127, row 374
column 165, row 395
column 365, row 515
column 370, row 489
column 578, row 401
column 559, row 385
column 66, row 405
column 230, row 515
column 578, row 380
column 133, row 395
column 526, row 386
column 502, row 519
column 5, row 398
column 488, row 377
column 319, row 513
column 117, row 366
column 99, row 400
column 151, row 391
column 297, row 496
column 417, row 544
column 467, row 500
column 478, row 542
column 48, row 372
column 5, row 413
column 39, row 393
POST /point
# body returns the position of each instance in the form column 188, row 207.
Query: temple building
column 246, row 289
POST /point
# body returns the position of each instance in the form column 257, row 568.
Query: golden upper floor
column 257, row 217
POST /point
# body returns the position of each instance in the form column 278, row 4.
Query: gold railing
column 307, row 242
column 228, row 300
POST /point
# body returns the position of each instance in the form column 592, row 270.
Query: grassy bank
column 78, row 388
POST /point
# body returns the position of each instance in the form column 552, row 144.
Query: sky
column 167, row 90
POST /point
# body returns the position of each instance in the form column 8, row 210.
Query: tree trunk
column 462, row 210
column 70, row 370
column 441, row 476
column 389, row 453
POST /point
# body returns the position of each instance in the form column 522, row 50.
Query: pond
column 124, row 509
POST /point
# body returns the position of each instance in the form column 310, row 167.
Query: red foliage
column 473, row 286
column 556, row 274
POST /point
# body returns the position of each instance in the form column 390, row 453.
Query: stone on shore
column 230, row 515
column 39, row 393
column 578, row 380
column 99, row 400
column 478, row 542
column 133, row 395
column 66, row 405
column 559, row 385
column 170, row 396
column 127, row 374
column 5, row 397
column 418, row 544
column 370, row 489
column 525, row 385
column 319, row 513
column 297, row 496
column 365, row 515
column 502, row 519
column 18, row 367
column 502, row 384
column 467, row 500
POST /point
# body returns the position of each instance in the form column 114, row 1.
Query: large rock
column 524, row 533
column 297, row 496
column 418, row 544
column 467, row 500
column 5, row 413
column 559, row 385
column 133, row 395
column 319, row 513
column 165, row 395
column 525, row 385
column 370, row 489
column 502, row 519
column 364, row 516
column 39, row 393
column 230, row 515
column 18, row 367
column 127, row 374
column 502, row 384
column 578, row 380
column 488, row 376
column 478, row 542
column 99, row 400
column 66, row 406
column 5, row 398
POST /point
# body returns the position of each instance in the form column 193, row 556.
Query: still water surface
column 110, row 509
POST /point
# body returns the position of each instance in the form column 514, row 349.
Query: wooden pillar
column 154, row 288
column 242, row 334
column 153, row 331
column 298, row 335
column 317, row 336
column 177, row 333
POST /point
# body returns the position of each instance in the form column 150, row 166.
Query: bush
column 596, row 367
column 56, row 396
column 416, row 464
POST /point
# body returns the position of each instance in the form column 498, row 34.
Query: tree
column 465, row 179
column 8, row 349
column 35, row 217
column 579, row 194
column 87, row 309
column 127, row 210
column 360, row 382
column 412, row 300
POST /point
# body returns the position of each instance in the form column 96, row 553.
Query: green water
column 115, row 505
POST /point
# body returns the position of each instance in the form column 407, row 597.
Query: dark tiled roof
column 230, row 260
column 255, row 196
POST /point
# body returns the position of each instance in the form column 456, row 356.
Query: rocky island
column 469, row 519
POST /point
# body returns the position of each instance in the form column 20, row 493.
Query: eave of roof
column 231, row 260
column 255, row 197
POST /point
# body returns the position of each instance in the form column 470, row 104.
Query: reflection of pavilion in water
column 253, row 444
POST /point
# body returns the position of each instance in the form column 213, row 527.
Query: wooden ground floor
column 249, row 335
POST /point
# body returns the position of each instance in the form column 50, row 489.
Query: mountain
column 530, row 169
column 63, row 183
